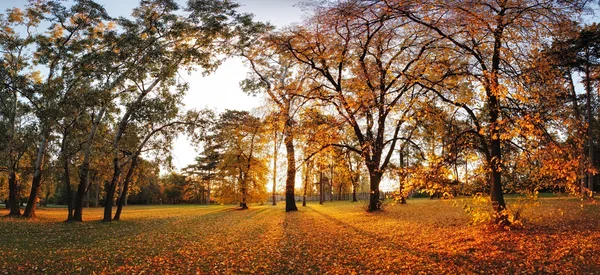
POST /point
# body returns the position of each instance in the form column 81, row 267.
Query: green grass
column 425, row 236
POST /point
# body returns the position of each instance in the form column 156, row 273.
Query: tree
column 162, row 126
column 278, row 76
column 164, row 42
column 63, row 51
column 488, row 43
column 367, row 63
column 580, row 52
column 240, row 137
column 16, row 80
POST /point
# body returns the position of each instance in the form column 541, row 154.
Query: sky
column 220, row 90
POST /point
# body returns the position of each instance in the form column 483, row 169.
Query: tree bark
column 321, row 195
column 375, row 179
column 243, row 204
column 402, row 178
column 123, row 198
column 37, row 178
column 110, row 192
column 306, row 175
column 13, row 194
column 495, row 161
column 354, row 192
column 331, row 183
column 67, row 181
column 290, row 181
column 590, row 144
column 85, row 168
column 274, row 168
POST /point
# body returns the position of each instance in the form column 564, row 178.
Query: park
column 559, row 235
column 299, row 137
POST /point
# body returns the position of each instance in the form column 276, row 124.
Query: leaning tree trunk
column 37, row 179
column 123, row 198
column 290, row 181
column 112, row 187
column 85, row 169
column 13, row 194
column 67, row 179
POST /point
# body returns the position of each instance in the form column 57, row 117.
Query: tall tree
column 278, row 76
column 16, row 79
column 367, row 63
column 491, row 42
column 240, row 135
column 163, row 42
column 63, row 50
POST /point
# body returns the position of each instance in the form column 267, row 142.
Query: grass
column 560, row 235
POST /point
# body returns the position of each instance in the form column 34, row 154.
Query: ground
column 560, row 235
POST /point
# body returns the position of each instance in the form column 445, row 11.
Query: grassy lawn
column 560, row 235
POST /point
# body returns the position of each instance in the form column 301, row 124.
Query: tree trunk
column 97, row 197
column 67, row 181
column 274, row 168
column 375, row 179
column 331, row 183
column 590, row 143
column 321, row 195
column 243, row 204
column 66, row 174
column 290, row 181
column 13, row 187
column 110, row 192
column 123, row 198
column 495, row 161
column 354, row 192
column 402, row 178
column 37, row 178
column 208, row 192
column 85, row 168
column 13, row 194
column 306, row 175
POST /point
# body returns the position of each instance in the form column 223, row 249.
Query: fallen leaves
column 423, row 236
